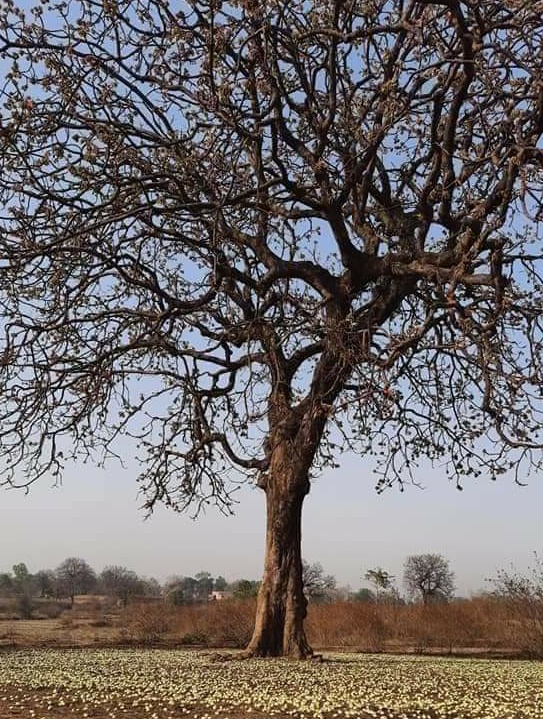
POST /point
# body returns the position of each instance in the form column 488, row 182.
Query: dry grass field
column 481, row 626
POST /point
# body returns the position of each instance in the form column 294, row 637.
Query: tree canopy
column 318, row 586
column 246, row 234
column 428, row 577
column 75, row 576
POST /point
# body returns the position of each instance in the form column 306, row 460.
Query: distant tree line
column 427, row 577
column 73, row 577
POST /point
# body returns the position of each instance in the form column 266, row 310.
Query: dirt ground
column 19, row 703
column 54, row 633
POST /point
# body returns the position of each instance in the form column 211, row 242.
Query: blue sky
column 347, row 526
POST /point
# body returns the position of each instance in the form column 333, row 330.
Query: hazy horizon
column 347, row 527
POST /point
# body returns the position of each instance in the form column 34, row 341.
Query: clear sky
column 347, row 527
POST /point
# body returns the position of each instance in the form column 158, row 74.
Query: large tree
column 75, row 576
column 383, row 583
column 246, row 234
column 318, row 586
column 121, row 582
column 428, row 577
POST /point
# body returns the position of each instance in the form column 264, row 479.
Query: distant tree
column 46, row 582
column 75, row 576
column 25, row 606
column 246, row 236
column 523, row 594
column 151, row 587
column 204, row 586
column 23, row 581
column 121, row 582
column 20, row 573
column 172, row 580
column 24, row 586
column 245, row 589
column 219, row 584
column 383, row 583
column 318, row 586
column 187, row 590
column 363, row 595
column 428, row 577
column 6, row 584
column 183, row 590
column 380, row 578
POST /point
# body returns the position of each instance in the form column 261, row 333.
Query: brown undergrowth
column 482, row 625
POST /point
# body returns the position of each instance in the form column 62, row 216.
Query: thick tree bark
column 295, row 435
column 281, row 606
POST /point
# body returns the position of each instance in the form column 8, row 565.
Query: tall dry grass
column 226, row 623
column 476, row 625
column 481, row 624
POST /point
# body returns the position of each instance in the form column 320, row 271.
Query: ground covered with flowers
column 155, row 684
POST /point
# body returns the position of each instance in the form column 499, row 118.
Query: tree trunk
column 293, row 440
column 281, row 606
